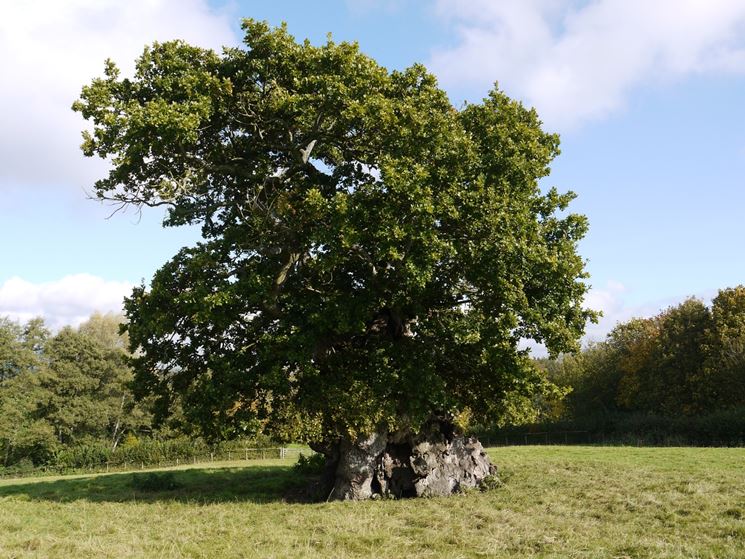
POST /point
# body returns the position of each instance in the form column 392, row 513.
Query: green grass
column 588, row 502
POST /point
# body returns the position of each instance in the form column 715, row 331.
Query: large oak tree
column 372, row 257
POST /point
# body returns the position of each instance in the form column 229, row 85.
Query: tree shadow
column 255, row 484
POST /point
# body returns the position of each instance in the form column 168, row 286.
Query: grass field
column 556, row 502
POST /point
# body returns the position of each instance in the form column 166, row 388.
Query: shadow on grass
column 255, row 484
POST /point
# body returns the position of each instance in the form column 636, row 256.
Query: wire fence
column 233, row 455
column 292, row 453
column 603, row 439
column 538, row 438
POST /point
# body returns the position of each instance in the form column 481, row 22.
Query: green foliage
column 679, row 374
column 677, row 378
column 310, row 465
column 591, row 378
column 106, row 330
column 371, row 255
column 70, row 406
column 87, row 380
column 671, row 364
column 24, row 435
column 145, row 451
column 130, row 441
column 83, row 456
column 490, row 483
column 153, row 451
column 59, row 391
column 20, row 347
column 725, row 362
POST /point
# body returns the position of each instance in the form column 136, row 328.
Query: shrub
column 310, row 465
column 92, row 455
column 489, row 483
column 130, row 441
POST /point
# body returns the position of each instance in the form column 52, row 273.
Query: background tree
column 35, row 336
column 371, row 256
column 635, row 345
column 725, row 366
column 72, row 378
column 115, row 399
column 21, row 346
column 63, row 390
column 662, row 360
column 25, row 436
column 86, row 382
column 590, row 380
column 675, row 377
column 683, row 385
column 106, row 330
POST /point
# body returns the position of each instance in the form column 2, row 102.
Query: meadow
column 556, row 501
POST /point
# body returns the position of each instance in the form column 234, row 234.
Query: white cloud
column 70, row 300
column 51, row 48
column 578, row 61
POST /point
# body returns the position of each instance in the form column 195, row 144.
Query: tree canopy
column 371, row 255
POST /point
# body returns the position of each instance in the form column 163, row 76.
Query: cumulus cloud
column 578, row 61
column 52, row 48
column 68, row 301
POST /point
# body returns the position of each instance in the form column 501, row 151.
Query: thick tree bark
column 437, row 461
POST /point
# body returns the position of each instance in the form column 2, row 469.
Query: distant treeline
column 62, row 390
column 66, row 402
column 678, row 376
column 65, row 399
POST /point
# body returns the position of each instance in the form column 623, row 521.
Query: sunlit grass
column 556, row 502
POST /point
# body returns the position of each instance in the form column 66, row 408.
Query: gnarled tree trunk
column 437, row 461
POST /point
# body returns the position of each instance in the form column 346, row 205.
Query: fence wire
column 233, row 455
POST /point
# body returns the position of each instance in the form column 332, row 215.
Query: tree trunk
column 437, row 461
column 116, row 436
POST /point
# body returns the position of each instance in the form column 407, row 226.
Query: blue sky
column 647, row 97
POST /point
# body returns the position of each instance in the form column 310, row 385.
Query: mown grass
column 588, row 502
